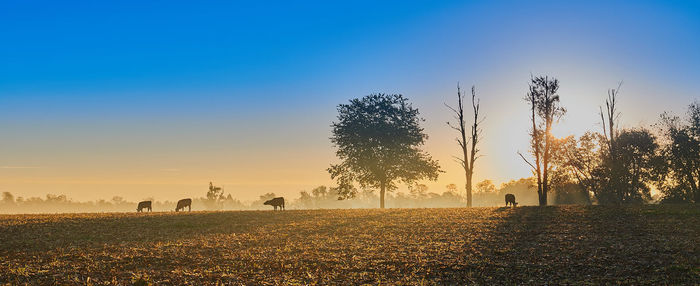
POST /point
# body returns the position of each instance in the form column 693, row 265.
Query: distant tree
column 321, row 192
column 56, row 198
column 305, row 200
column 545, row 110
column 215, row 197
column 681, row 157
column 378, row 139
column 230, row 203
column 485, row 186
column 319, row 197
column 467, row 143
column 451, row 188
column 214, row 193
column 7, row 198
column 117, row 200
column 419, row 191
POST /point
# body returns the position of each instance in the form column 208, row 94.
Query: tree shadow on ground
column 592, row 244
column 502, row 209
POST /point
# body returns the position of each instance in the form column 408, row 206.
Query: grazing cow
column 510, row 198
column 276, row 202
column 144, row 205
column 181, row 204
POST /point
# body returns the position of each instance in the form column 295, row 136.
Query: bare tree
column 611, row 192
column 545, row 111
column 612, row 117
column 468, row 143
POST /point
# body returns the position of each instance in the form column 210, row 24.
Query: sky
column 155, row 99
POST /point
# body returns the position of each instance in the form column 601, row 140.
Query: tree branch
column 526, row 161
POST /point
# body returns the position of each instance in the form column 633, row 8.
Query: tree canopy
column 681, row 157
column 379, row 139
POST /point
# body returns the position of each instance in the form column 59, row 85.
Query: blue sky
column 97, row 94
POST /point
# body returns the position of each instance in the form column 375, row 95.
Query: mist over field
column 318, row 198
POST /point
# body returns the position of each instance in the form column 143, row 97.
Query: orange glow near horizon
column 248, row 104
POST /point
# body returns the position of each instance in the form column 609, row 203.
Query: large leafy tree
column 627, row 176
column 681, row 155
column 379, row 139
column 637, row 155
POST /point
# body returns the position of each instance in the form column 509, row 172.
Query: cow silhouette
column 276, row 202
column 144, row 205
column 510, row 199
column 181, row 204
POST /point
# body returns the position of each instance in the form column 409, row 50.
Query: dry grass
column 526, row 245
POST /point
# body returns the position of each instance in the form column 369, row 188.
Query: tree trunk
column 543, row 194
column 469, row 190
column 381, row 195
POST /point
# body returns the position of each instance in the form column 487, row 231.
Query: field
column 525, row 245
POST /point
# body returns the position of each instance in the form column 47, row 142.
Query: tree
column 628, row 159
column 681, row 157
column 637, row 158
column 117, row 200
column 579, row 160
column 451, row 188
column 51, row 198
column 485, row 186
column 545, row 111
column 611, row 115
column 215, row 195
column 7, row 198
column 319, row 197
column 378, row 139
column 610, row 183
column 418, row 191
column 466, row 143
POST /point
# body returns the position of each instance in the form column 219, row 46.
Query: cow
column 181, row 204
column 276, row 202
column 510, row 198
column 144, row 205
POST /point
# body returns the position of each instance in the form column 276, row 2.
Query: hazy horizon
column 143, row 100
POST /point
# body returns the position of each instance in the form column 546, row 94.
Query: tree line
column 320, row 197
column 378, row 140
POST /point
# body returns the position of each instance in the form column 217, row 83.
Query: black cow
column 181, row 204
column 510, row 198
column 276, row 202
column 144, row 205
